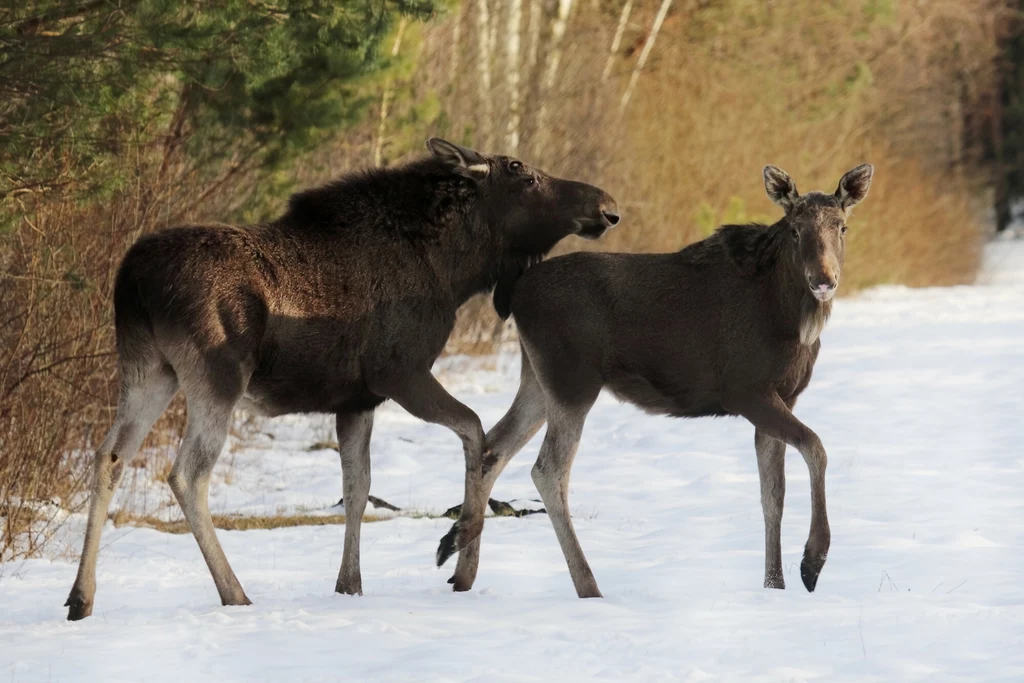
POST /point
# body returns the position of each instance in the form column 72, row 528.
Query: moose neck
column 480, row 261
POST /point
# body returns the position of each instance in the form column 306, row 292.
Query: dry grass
column 234, row 522
column 250, row 522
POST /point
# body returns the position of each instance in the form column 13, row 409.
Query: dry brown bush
column 58, row 379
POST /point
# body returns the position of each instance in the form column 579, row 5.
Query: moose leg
column 771, row 466
column 523, row 419
column 771, row 416
column 354, row 443
column 551, row 476
column 143, row 400
column 208, row 420
column 424, row 397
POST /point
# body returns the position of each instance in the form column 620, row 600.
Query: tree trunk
column 515, row 20
column 648, row 46
column 617, row 40
column 554, row 59
column 378, row 147
column 483, row 60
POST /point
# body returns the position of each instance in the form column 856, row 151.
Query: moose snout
column 823, row 287
column 610, row 211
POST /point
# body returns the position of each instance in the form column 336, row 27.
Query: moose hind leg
column 771, row 465
column 144, row 397
column 551, row 476
column 209, row 417
column 354, row 443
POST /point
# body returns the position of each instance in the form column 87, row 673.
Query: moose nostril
column 822, row 285
column 611, row 217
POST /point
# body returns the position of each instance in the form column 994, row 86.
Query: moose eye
column 530, row 181
column 515, row 166
column 842, row 229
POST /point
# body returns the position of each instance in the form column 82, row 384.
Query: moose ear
column 463, row 161
column 853, row 186
column 780, row 187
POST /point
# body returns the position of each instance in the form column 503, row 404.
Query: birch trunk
column 617, row 40
column 515, row 20
column 551, row 74
column 453, row 71
column 378, row 148
column 648, row 46
column 534, row 31
column 483, row 18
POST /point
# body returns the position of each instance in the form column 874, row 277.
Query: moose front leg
column 771, row 467
column 524, row 419
column 772, row 417
column 424, row 397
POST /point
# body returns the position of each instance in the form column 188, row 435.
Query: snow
column 918, row 396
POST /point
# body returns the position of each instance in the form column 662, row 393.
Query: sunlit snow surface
column 918, row 396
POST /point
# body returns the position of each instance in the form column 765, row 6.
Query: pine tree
column 254, row 80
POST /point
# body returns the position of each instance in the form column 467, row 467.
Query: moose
column 727, row 326
column 340, row 304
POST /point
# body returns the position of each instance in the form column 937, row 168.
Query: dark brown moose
column 342, row 303
column 727, row 326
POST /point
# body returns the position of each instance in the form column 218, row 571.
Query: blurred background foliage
column 118, row 117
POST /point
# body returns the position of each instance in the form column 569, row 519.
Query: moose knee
column 538, row 475
column 814, row 454
column 177, row 483
column 181, row 483
column 473, row 442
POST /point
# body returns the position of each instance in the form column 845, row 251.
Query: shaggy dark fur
column 360, row 278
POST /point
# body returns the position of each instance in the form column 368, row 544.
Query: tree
column 254, row 82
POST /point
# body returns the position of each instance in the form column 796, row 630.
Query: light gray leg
column 354, row 443
column 773, row 418
column 208, row 422
column 771, row 465
column 143, row 400
column 551, row 475
column 523, row 419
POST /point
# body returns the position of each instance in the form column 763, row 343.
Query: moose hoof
column 242, row 601
column 810, row 568
column 446, row 548
column 775, row 580
column 459, row 584
column 349, row 587
column 78, row 607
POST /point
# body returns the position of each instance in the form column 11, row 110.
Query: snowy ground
column 918, row 397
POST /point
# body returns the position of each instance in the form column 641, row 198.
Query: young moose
column 727, row 326
column 342, row 303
